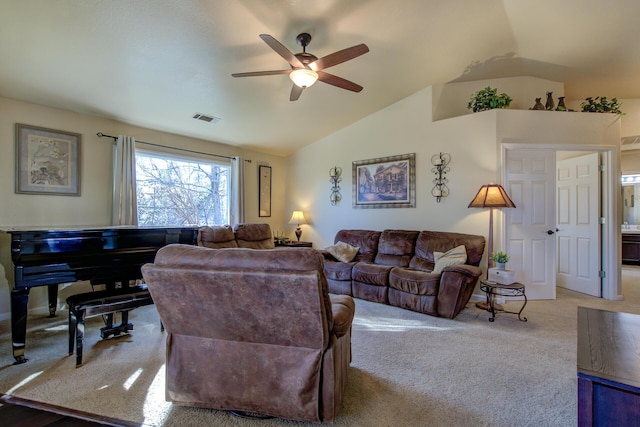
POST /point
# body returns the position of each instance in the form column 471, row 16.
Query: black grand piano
column 49, row 257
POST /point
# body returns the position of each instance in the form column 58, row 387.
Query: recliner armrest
column 343, row 309
column 456, row 286
column 470, row 270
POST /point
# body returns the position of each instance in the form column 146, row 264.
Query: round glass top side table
column 493, row 290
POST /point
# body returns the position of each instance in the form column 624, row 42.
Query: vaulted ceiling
column 155, row 63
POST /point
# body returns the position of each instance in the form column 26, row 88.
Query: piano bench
column 105, row 302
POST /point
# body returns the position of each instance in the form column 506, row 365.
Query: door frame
column 611, row 205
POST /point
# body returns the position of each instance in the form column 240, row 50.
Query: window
column 181, row 191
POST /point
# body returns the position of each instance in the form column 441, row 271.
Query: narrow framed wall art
column 264, row 191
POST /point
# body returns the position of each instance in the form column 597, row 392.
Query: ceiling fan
column 307, row 68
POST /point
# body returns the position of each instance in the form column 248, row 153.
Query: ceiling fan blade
column 338, row 81
column 282, row 51
column 261, row 73
column 339, row 57
column 296, row 91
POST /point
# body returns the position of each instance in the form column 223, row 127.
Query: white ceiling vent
column 206, row 118
column 630, row 142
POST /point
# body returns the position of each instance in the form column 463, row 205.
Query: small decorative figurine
column 538, row 105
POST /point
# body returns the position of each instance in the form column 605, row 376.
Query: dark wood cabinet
column 631, row 249
column 608, row 374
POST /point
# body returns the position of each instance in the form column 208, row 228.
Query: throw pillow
column 343, row 251
column 457, row 255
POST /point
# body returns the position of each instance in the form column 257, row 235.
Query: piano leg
column 53, row 300
column 19, row 304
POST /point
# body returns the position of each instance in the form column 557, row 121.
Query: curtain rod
column 115, row 138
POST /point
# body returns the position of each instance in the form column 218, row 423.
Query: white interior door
column 530, row 181
column 578, row 193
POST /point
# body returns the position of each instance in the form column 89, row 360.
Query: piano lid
column 54, row 228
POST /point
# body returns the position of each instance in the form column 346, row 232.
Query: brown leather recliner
column 245, row 235
column 254, row 236
column 252, row 330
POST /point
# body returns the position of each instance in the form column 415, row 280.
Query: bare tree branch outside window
column 181, row 192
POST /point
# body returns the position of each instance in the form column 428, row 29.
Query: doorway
column 530, row 175
column 578, row 227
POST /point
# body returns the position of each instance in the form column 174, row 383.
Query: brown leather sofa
column 395, row 267
column 252, row 330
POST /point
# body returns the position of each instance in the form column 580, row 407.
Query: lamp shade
column 303, row 77
column 492, row 196
column 297, row 218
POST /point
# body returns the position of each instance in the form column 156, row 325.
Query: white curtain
column 125, row 203
column 237, row 191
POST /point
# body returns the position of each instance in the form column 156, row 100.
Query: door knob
column 550, row 232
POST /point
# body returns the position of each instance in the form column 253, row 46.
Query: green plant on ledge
column 600, row 104
column 500, row 257
column 488, row 99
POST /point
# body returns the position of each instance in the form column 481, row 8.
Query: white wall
column 631, row 161
column 93, row 207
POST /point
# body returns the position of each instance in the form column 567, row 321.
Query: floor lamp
column 491, row 196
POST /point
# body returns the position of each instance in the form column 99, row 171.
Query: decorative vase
column 550, row 105
column 501, row 265
column 561, row 106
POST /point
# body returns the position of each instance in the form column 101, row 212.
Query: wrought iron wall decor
column 440, row 168
column 335, row 177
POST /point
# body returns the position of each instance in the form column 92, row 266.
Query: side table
column 292, row 244
column 493, row 289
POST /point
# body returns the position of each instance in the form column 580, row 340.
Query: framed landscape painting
column 47, row 161
column 386, row 182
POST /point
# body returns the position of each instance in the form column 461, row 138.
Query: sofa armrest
column 456, row 286
column 326, row 255
column 343, row 309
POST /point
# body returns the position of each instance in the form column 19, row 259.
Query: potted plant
column 500, row 258
column 600, row 104
column 487, row 99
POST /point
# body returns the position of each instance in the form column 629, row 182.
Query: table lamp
column 298, row 218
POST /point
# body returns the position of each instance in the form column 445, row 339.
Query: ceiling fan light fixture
column 303, row 77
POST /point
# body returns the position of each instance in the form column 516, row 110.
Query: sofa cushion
column 366, row 240
column 338, row 270
column 414, row 281
column 343, row 251
column 396, row 247
column 371, row 274
column 217, row 237
column 457, row 255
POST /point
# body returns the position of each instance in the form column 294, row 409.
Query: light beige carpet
column 408, row 369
